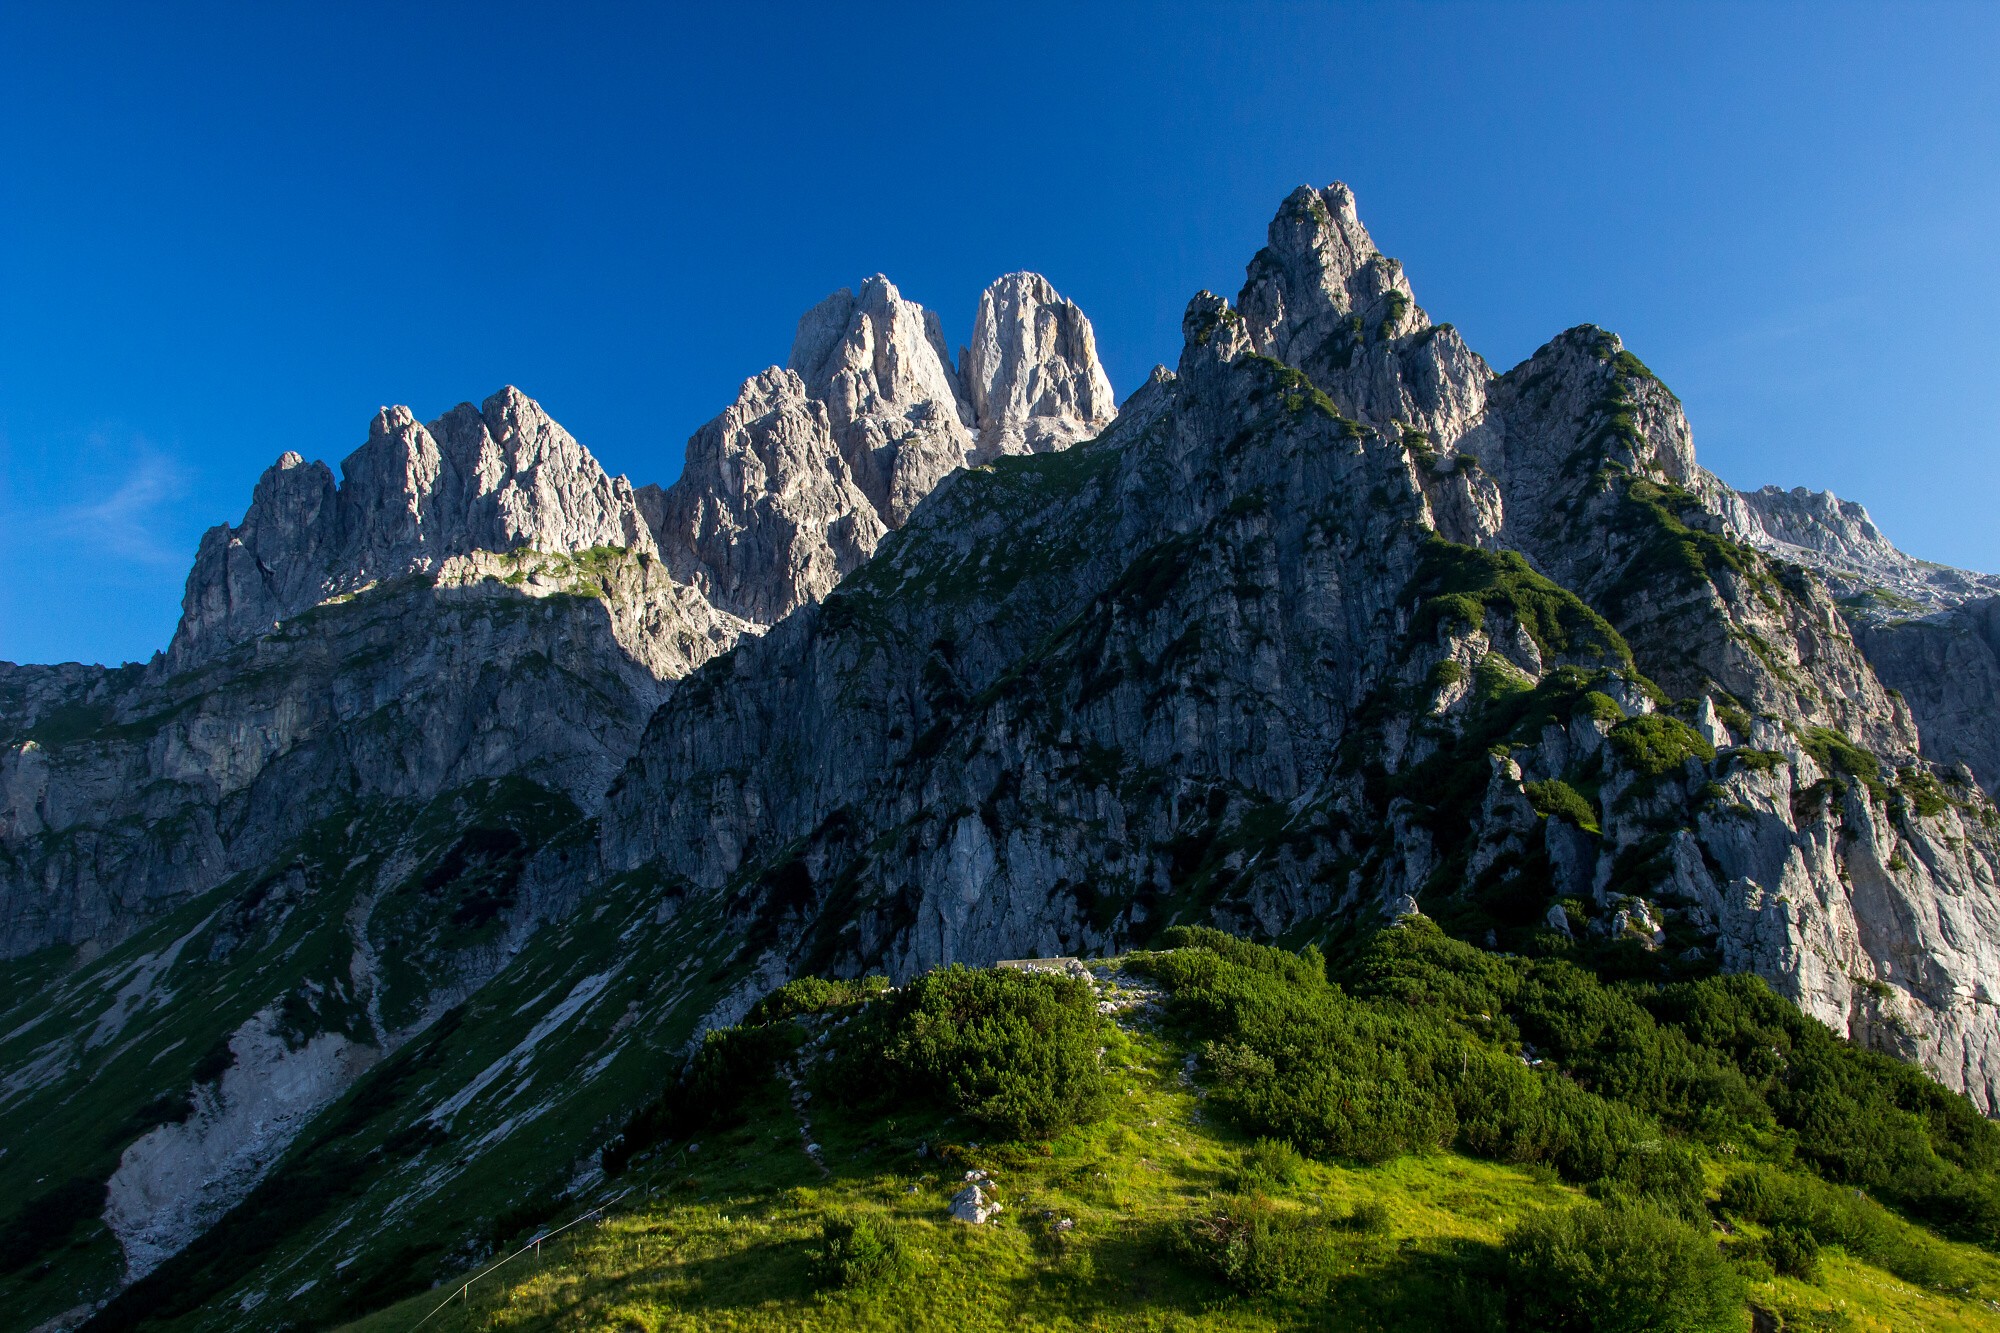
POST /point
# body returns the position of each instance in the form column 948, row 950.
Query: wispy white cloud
column 134, row 520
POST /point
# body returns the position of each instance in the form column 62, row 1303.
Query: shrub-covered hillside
column 1222, row 1134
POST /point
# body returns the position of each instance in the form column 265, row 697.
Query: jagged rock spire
column 878, row 363
column 795, row 483
column 1321, row 297
column 1320, row 270
column 1031, row 373
column 766, row 515
column 493, row 478
column 246, row 577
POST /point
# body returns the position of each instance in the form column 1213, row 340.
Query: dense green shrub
column 1556, row 797
column 730, row 1066
column 1925, row 794
column 1417, row 1061
column 855, row 1252
column 1857, row 1117
column 1269, row 1164
column 1722, row 1060
column 1654, row 744
column 1793, row 1252
column 1015, row 1050
column 813, row 995
column 1512, row 1114
column 1810, row 1213
column 1614, row 1047
column 1462, row 582
column 1834, row 753
column 1369, row 1215
column 1295, row 1058
column 1260, row 1247
column 1620, row 1268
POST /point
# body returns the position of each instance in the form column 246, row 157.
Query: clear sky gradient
column 227, row 232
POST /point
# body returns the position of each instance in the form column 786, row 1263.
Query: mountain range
column 476, row 783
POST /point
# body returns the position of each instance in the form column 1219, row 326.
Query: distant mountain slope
column 1931, row 632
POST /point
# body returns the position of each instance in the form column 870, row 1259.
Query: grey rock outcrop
column 878, row 362
column 1031, row 373
column 1320, row 296
column 797, row 482
column 1931, row 632
column 1946, row 667
column 974, row 1205
column 1599, row 488
column 498, row 477
column 123, row 796
column 766, row 515
column 1837, row 540
column 275, row 562
column 486, row 509
column 425, row 624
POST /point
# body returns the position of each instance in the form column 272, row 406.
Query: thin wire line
column 466, row 1286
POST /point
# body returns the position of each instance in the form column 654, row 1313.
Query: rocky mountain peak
column 1840, row 541
column 1318, row 270
column 795, row 483
column 1322, row 298
column 498, row 477
column 878, row 363
column 1495, row 650
column 766, row 514
column 1212, row 333
column 1031, row 373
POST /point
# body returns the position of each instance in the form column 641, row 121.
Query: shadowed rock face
column 1946, row 666
column 1223, row 628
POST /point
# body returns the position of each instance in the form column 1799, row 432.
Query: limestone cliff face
column 1031, row 373
column 1255, row 642
column 495, row 478
column 1321, row 297
column 766, row 515
column 1946, row 667
column 878, row 362
column 795, row 484
column 476, row 599
column 121, row 797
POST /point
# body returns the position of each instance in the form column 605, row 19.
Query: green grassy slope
column 1114, row 1223
column 109, row 1051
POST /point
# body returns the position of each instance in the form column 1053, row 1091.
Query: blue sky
column 230, row 231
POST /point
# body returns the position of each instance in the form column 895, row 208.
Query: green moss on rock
column 1655, row 745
